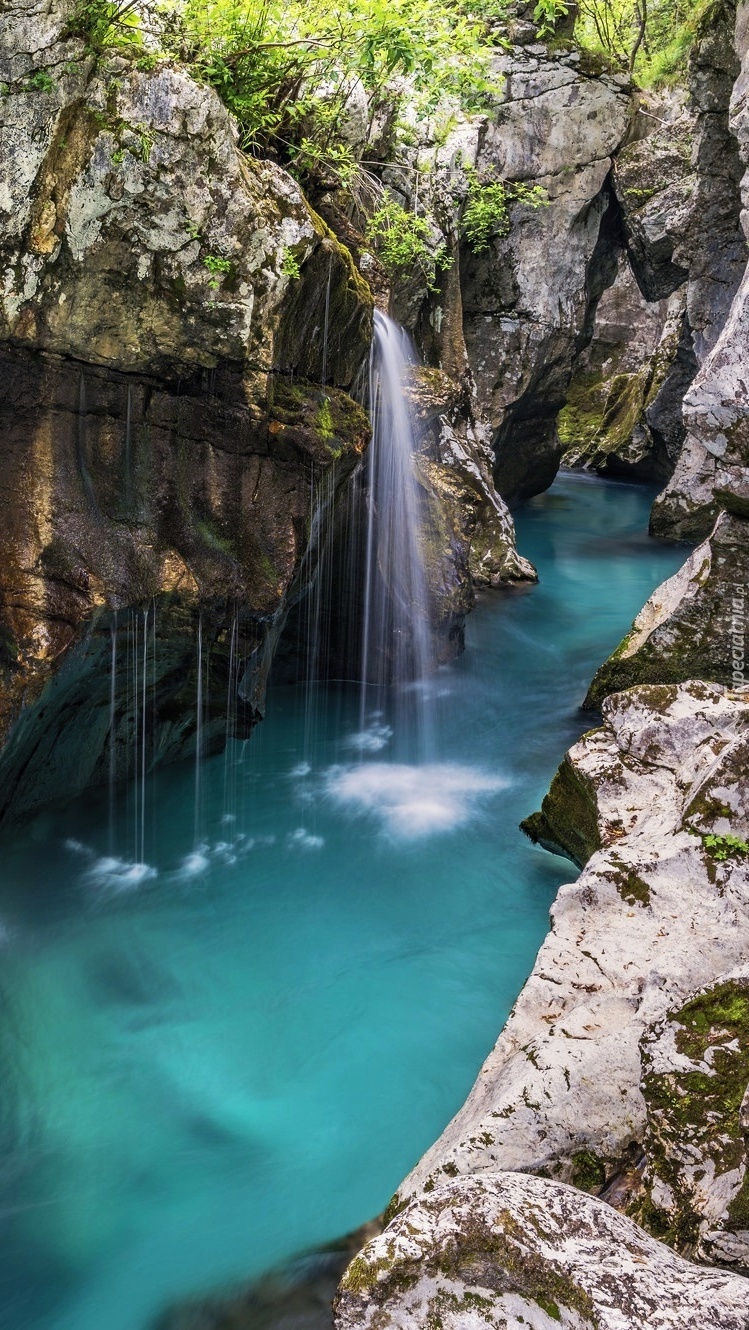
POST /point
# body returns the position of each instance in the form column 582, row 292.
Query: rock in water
column 693, row 625
column 512, row 1252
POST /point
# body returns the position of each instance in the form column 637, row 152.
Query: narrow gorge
column 374, row 535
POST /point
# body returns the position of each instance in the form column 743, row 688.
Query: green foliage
column 219, row 267
column 487, row 210
column 287, row 68
column 337, row 160
column 104, row 23
column 41, row 81
column 650, row 38
column 723, row 846
column 404, row 241
column 548, row 13
column 290, row 265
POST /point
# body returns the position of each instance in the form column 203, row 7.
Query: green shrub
column 404, row 241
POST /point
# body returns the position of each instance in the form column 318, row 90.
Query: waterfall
column 199, row 734
column 396, row 639
column 112, row 723
column 128, row 445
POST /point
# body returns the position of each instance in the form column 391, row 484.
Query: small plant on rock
column 487, row 210
column 290, row 265
column 723, row 847
column 404, row 242
column 219, row 268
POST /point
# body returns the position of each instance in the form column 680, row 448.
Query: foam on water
column 413, row 801
column 301, row 839
column 371, row 740
column 119, row 874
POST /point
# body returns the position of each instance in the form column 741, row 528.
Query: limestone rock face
column 677, row 187
column 657, row 915
column 515, row 314
column 655, row 182
column 526, row 300
column 163, row 409
column 456, row 466
column 696, row 1087
column 693, row 625
column 622, row 416
column 710, row 472
column 509, row 1251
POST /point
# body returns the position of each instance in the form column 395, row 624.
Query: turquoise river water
column 236, row 1053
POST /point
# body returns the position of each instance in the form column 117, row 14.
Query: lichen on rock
column 508, row 1251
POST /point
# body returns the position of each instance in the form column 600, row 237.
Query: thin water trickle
column 326, row 325
column 144, row 713
column 199, row 735
column 128, row 444
column 229, row 813
column 112, row 719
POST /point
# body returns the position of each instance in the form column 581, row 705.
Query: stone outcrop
column 676, row 185
column 693, row 625
column 709, row 474
column 516, row 314
column 528, row 298
column 654, row 183
column 622, row 416
column 695, row 1083
column 650, row 940
column 163, row 319
column 508, row 1251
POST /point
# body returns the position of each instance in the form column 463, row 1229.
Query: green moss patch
column 589, row 1171
column 696, row 1113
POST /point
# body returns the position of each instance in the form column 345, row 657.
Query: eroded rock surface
column 622, row 416
column 693, row 625
column 516, row 313
column 509, row 1251
column 658, row 914
column 710, row 473
column 163, row 411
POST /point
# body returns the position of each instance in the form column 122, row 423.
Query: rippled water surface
column 237, row 1051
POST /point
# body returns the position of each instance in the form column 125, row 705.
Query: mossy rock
column 696, row 1139
column 568, row 821
column 600, row 416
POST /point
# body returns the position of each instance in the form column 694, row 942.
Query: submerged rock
column 508, row 1251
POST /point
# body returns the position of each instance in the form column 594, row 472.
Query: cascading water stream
column 396, row 639
column 112, row 722
column 199, row 735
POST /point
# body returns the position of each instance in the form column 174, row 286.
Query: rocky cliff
column 179, row 334
column 622, row 1069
